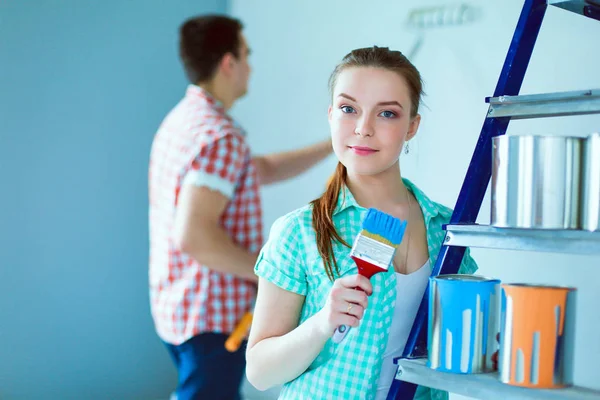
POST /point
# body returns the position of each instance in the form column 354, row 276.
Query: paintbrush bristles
column 379, row 238
column 383, row 227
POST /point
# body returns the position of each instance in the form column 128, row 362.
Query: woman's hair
column 324, row 206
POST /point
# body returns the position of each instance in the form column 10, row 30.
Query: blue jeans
column 206, row 369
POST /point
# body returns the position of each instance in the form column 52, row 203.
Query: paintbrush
column 373, row 250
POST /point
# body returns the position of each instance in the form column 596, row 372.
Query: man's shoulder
column 212, row 127
column 204, row 123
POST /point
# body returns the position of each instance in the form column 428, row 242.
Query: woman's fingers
column 356, row 282
column 352, row 309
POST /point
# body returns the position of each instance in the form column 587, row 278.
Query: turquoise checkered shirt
column 290, row 260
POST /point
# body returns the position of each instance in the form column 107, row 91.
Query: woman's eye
column 347, row 109
column 388, row 114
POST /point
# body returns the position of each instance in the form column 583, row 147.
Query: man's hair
column 204, row 40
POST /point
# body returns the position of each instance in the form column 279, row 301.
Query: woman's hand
column 345, row 304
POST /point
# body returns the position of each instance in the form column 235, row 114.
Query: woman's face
column 370, row 119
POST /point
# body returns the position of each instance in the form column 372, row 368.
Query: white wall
column 297, row 44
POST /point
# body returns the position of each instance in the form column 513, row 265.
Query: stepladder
column 505, row 104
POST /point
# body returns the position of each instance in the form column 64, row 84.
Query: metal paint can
column 590, row 202
column 463, row 323
column 536, row 181
column 537, row 332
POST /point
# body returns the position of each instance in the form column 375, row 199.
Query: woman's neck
column 385, row 191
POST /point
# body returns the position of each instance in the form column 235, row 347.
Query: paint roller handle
column 233, row 342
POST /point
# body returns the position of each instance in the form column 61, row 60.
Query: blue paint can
column 463, row 324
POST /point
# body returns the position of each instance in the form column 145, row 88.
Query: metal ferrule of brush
column 373, row 251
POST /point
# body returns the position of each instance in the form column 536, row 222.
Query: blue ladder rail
column 477, row 177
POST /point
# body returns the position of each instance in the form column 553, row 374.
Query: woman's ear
column 329, row 111
column 413, row 127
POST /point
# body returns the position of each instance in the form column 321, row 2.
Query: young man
column 205, row 211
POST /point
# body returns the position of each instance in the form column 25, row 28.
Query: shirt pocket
column 345, row 266
column 319, row 283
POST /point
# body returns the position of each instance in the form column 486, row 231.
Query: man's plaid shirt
column 199, row 144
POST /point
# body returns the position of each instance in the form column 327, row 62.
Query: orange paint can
column 537, row 333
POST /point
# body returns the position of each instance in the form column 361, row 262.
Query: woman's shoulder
column 444, row 212
column 296, row 221
column 430, row 207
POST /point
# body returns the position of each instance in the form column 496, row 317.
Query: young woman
column 306, row 277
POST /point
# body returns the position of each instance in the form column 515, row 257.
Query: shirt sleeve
column 468, row 264
column 281, row 260
column 219, row 165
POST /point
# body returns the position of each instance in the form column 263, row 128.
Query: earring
column 406, row 149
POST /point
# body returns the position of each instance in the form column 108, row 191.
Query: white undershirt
column 410, row 289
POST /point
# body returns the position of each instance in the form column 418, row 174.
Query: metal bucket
column 590, row 202
column 463, row 323
column 536, row 182
column 537, row 336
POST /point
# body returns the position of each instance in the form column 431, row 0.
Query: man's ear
column 226, row 64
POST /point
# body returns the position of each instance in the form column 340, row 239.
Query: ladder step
column 542, row 240
column 545, row 105
column 588, row 8
column 483, row 386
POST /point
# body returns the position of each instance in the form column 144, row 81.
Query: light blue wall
column 83, row 87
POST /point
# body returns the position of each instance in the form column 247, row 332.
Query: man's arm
column 281, row 166
column 198, row 233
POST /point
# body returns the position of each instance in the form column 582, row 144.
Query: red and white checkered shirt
column 199, row 144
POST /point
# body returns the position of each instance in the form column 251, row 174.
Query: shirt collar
column 205, row 97
column 428, row 207
column 208, row 100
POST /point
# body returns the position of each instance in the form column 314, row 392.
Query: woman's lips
column 362, row 150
